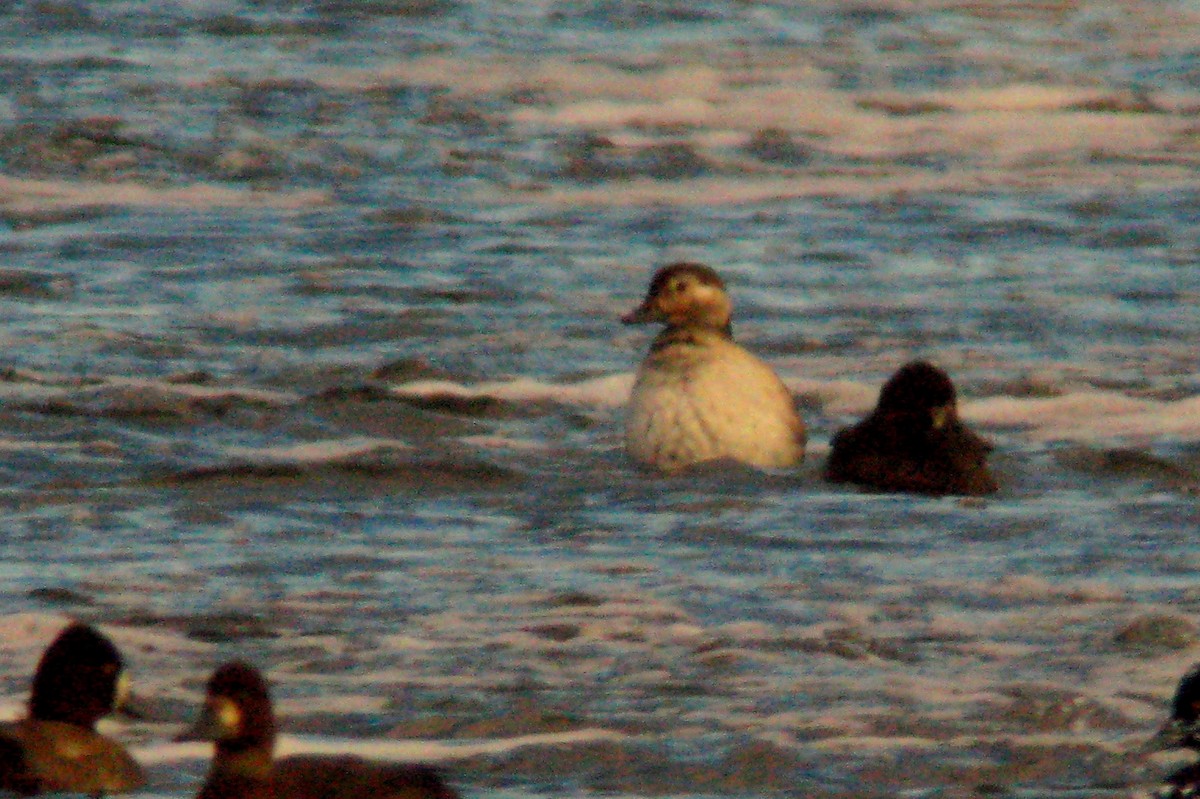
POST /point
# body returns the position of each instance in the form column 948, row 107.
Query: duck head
column 237, row 711
column 685, row 294
column 79, row 679
column 920, row 390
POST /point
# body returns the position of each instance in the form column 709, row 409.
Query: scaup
column 238, row 717
column 1182, row 731
column 913, row 441
column 56, row 748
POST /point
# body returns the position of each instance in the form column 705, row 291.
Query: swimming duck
column 913, row 441
column 238, row 717
column 1182, row 731
column 699, row 396
column 78, row 680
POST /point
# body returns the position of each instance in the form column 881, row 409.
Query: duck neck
column 244, row 757
column 690, row 333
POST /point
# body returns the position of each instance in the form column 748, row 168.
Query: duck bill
column 643, row 314
column 206, row 728
column 128, row 704
column 135, row 707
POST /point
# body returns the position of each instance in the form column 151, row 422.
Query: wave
column 428, row 751
column 448, row 431
column 1084, row 415
column 36, row 198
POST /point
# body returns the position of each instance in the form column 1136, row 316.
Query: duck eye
column 678, row 285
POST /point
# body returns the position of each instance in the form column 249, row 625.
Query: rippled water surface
column 312, row 356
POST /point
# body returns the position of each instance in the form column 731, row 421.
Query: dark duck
column 238, row 717
column 913, row 441
column 1182, row 731
column 56, row 747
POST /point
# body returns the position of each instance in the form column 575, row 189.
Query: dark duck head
column 923, row 394
column 79, row 679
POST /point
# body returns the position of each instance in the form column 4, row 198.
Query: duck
column 79, row 679
column 238, row 717
column 913, row 441
column 698, row 396
column 1182, row 731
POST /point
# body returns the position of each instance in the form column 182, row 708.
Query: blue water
column 312, row 356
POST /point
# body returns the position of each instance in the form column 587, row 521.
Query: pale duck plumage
column 698, row 395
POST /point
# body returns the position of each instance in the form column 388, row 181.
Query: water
column 312, row 357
